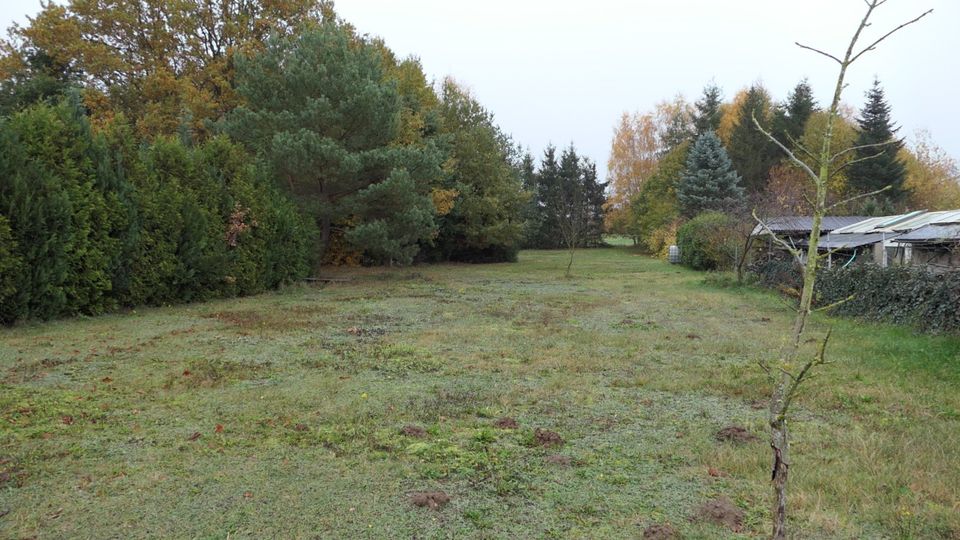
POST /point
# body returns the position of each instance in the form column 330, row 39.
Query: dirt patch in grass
column 416, row 432
column 660, row 531
column 557, row 459
column 211, row 372
column 429, row 499
column 735, row 434
column 451, row 402
column 247, row 320
column 11, row 475
column 506, row 423
column 547, row 438
column 360, row 331
column 721, row 512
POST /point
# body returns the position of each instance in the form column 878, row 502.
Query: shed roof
column 933, row 234
column 803, row 224
column 849, row 241
column 901, row 223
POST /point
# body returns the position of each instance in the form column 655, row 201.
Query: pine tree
column 709, row 181
column 707, row 116
column 321, row 112
column 752, row 153
column 880, row 165
column 790, row 118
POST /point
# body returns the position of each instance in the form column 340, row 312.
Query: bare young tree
column 790, row 371
column 574, row 220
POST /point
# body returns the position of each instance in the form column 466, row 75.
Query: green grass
column 634, row 363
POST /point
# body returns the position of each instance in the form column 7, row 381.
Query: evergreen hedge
column 907, row 295
column 91, row 222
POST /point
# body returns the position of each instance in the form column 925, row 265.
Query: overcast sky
column 561, row 71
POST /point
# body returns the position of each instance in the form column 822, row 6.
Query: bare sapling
column 794, row 366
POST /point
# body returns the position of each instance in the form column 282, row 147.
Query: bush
column 57, row 215
column 708, row 242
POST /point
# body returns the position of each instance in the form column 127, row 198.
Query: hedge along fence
column 90, row 222
column 907, row 295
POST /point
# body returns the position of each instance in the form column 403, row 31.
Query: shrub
column 58, row 217
column 708, row 242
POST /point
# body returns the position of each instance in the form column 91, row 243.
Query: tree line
column 683, row 160
column 161, row 151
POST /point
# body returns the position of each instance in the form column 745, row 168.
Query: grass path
column 283, row 415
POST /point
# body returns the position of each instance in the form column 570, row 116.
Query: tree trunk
column 573, row 250
column 780, row 443
column 325, row 227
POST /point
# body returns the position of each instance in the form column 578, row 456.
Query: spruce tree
column 548, row 219
column 752, row 153
column 880, row 165
column 707, row 115
column 790, row 118
column 709, row 181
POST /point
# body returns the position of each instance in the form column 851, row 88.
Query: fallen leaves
column 194, row 436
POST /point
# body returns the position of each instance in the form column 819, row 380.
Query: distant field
column 318, row 411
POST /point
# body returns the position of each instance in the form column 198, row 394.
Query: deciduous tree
column 795, row 364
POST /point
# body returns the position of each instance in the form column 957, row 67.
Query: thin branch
column 826, row 254
column 873, row 45
column 805, row 373
column 844, row 167
column 809, row 154
column 838, row 155
column 857, row 197
column 818, row 51
column 836, row 304
column 797, row 254
column 789, row 153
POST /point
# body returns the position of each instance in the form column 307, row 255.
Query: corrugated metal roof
column 933, row 234
column 850, row 241
column 948, row 217
column 901, row 223
column 864, row 226
column 805, row 223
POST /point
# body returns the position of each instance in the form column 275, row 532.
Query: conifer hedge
column 90, row 222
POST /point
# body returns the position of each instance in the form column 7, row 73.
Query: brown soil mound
column 660, row 531
column 506, row 423
column 720, row 512
column 414, row 431
column 735, row 434
column 545, row 437
column 429, row 499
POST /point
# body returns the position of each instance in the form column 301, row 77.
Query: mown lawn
column 296, row 414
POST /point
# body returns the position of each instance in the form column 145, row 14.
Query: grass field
column 318, row 411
